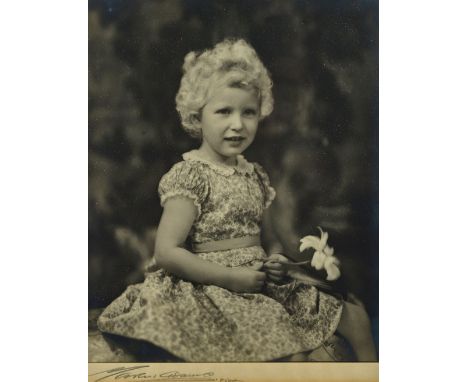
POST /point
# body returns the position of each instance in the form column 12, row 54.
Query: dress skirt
column 206, row 323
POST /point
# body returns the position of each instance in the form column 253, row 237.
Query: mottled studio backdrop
column 320, row 145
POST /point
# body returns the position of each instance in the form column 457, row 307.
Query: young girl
column 221, row 299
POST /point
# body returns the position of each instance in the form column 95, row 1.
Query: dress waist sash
column 226, row 244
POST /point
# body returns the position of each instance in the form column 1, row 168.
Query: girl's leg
column 355, row 327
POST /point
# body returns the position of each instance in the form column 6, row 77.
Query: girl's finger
column 256, row 266
column 275, row 256
column 276, row 273
column 275, row 278
column 273, row 265
column 278, row 257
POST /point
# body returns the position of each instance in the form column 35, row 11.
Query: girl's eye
column 223, row 111
column 250, row 112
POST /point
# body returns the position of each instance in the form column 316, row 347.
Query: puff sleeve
column 269, row 192
column 184, row 179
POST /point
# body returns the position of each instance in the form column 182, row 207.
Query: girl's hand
column 247, row 279
column 275, row 267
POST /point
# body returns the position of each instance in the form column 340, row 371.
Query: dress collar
column 243, row 166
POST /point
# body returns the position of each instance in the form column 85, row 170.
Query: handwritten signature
column 137, row 373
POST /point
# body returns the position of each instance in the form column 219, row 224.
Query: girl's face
column 229, row 123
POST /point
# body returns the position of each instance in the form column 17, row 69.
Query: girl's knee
column 354, row 318
column 355, row 312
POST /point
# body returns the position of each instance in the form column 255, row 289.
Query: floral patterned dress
column 206, row 323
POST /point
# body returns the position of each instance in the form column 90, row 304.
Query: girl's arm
column 270, row 239
column 285, row 211
column 276, row 271
column 178, row 217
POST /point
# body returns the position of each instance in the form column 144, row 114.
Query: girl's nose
column 236, row 122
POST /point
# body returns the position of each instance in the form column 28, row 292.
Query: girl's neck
column 209, row 154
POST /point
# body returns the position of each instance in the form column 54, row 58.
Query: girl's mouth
column 234, row 139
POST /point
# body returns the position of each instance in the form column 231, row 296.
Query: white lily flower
column 309, row 242
column 331, row 266
column 318, row 260
column 317, row 243
column 323, row 255
column 328, row 251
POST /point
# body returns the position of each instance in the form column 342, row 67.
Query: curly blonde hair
column 233, row 63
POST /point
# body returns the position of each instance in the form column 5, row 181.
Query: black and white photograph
column 233, row 181
column 233, row 191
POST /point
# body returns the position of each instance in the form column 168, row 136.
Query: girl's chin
column 235, row 147
column 233, row 152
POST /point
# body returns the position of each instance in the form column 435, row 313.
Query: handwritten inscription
column 176, row 374
column 139, row 373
